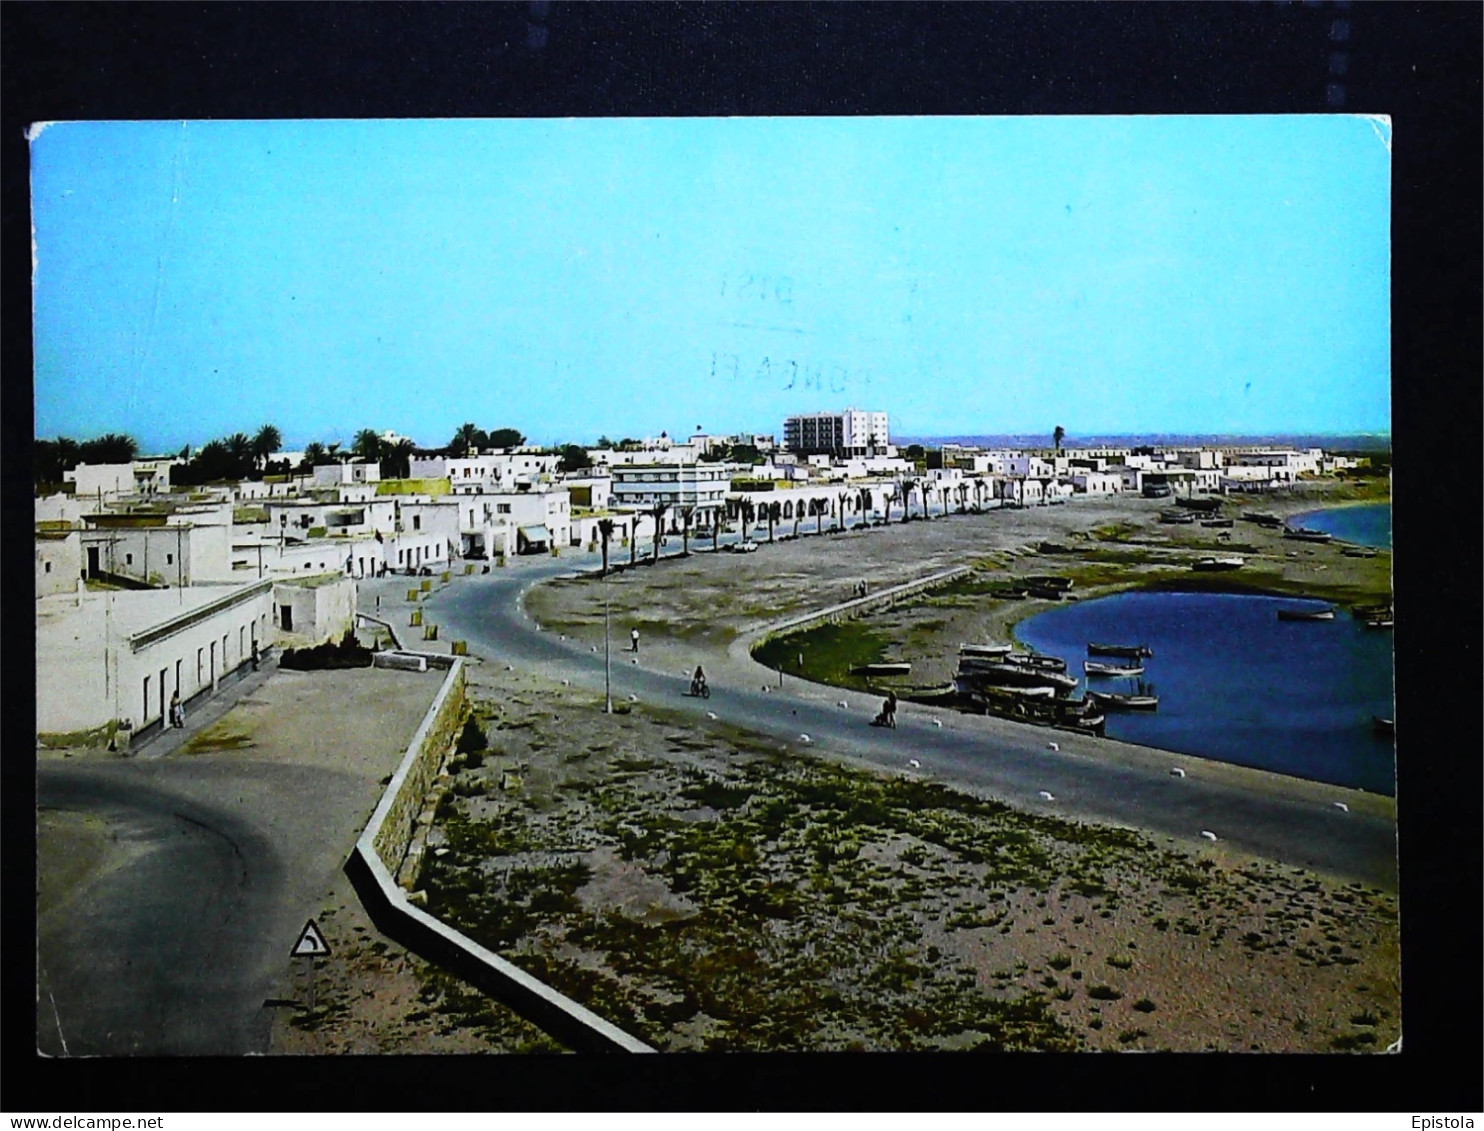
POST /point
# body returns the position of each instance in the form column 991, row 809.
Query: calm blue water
column 1368, row 525
column 1238, row 685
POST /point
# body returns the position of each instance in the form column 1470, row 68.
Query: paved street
column 1283, row 819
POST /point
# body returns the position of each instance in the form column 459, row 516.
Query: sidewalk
column 206, row 710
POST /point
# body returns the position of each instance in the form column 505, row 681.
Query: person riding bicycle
column 698, row 682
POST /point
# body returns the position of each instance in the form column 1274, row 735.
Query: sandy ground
column 706, row 608
column 1118, row 940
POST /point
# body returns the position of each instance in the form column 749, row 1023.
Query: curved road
column 1285, row 820
column 158, row 949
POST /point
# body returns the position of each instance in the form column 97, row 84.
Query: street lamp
column 607, row 685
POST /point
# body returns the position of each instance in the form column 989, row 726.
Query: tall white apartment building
column 849, row 433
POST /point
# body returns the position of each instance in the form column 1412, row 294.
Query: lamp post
column 607, row 686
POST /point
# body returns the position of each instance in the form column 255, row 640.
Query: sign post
column 311, row 945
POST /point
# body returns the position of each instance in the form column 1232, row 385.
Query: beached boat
column 1217, row 565
column 902, row 668
column 1092, row 667
column 1008, row 594
column 1132, row 651
column 1352, row 552
column 1044, row 594
column 1306, row 614
column 992, row 651
column 1044, row 581
column 1114, row 702
column 1213, row 523
column 1303, row 534
column 988, row 673
column 1174, row 518
column 1036, row 660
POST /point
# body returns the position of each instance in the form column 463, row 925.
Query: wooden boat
column 1132, row 651
column 1008, row 594
column 1217, row 565
column 902, row 668
column 1113, row 702
column 1383, row 726
column 991, row 651
column 1306, row 614
column 1036, row 660
column 1380, row 622
column 1213, row 523
column 1351, row 552
column 1092, row 667
column 1043, row 581
column 1045, row 594
column 989, row 673
column 1172, row 518
column 1303, row 534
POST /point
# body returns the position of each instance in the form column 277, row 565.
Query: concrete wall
column 380, row 855
column 872, row 602
column 58, row 563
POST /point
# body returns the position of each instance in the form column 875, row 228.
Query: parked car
column 746, row 547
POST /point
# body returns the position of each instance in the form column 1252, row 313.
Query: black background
column 1418, row 63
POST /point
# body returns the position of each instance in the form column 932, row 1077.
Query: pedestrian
column 177, row 712
column 633, row 640
column 254, row 655
column 891, row 708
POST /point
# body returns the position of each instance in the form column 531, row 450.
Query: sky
column 623, row 277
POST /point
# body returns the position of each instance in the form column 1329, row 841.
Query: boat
column 1383, row 726
column 1008, row 594
column 1380, row 622
column 1303, row 534
column 1114, row 702
column 1132, row 651
column 991, row 651
column 1174, row 518
column 1043, row 581
column 1036, row 660
column 1045, row 594
column 1354, row 552
column 1306, row 614
column 1223, row 523
column 1092, row 667
column 1216, row 565
column 902, row 668
column 993, row 674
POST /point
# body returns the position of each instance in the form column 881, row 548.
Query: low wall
column 848, row 610
column 381, row 853
column 395, row 819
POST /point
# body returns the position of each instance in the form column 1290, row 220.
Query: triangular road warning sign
column 311, row 943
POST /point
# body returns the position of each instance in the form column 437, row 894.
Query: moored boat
column 1303, row 534
column 1306, row 614
column 1383, row 726
column 1114, row 702
column 1092, row 667
column 1380, row 622
column 1133, row 651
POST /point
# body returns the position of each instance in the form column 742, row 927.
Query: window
column 417, row 522
column 200, row 657
column 48, row 567
column 128, row 559
column 169, row 559
column 502, row 508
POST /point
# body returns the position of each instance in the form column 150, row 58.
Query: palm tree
column 978, row 496
column 842, row 499
column 908, row 487
column 659, row 510
column 866, row 505
column 314, row 453
column 265, row 443
column 67, row 453
column 396, row 459
column 367, row 444
column 634, row 542
column 747, row 509
column 464, row 440
column 605, row 532
column 686, row 514
column 962, row 490
column 239, row 448
column 773, row 512
column 112, row 447
column 1058, row 434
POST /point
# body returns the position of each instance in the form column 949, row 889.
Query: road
column 1284, row 820
column 156, row 950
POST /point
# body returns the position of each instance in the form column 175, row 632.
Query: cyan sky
column 574, row 278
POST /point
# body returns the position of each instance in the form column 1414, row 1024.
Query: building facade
column 852, row 432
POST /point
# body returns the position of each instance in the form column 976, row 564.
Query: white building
column 703, row 486
column 852, row 432
column 1096, row 482
column 334, row 474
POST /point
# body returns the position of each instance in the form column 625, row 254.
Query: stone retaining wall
column 381, row 859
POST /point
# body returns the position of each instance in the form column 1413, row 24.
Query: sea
column 1336, row 442
column 1238, row 685
column 1368, row 524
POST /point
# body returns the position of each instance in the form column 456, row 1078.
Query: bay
column 1366, row 525
column 1238, row 685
